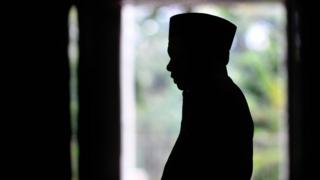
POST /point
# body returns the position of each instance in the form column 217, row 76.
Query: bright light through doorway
column 151, row 104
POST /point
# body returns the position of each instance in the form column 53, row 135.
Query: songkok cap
column 203, row 31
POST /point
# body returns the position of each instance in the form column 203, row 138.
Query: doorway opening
column 151, row 104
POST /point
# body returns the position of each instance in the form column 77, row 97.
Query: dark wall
column 303, row 34
column 35, row 119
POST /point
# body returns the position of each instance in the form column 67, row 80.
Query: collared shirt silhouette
column 215, row 139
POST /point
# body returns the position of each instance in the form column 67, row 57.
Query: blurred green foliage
column 256, row 65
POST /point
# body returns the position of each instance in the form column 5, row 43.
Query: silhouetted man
column 215, row 140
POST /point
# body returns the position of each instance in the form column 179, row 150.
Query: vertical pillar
column 99, row 91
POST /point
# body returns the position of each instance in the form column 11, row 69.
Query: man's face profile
column 187, row 66
column 178, row 64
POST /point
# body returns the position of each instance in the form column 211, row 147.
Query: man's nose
column 169, row 66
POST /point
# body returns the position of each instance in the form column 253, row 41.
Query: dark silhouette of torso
column 215, row 139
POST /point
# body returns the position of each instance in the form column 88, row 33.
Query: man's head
column 199, row 46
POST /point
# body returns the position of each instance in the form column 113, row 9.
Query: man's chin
column 180, row 86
